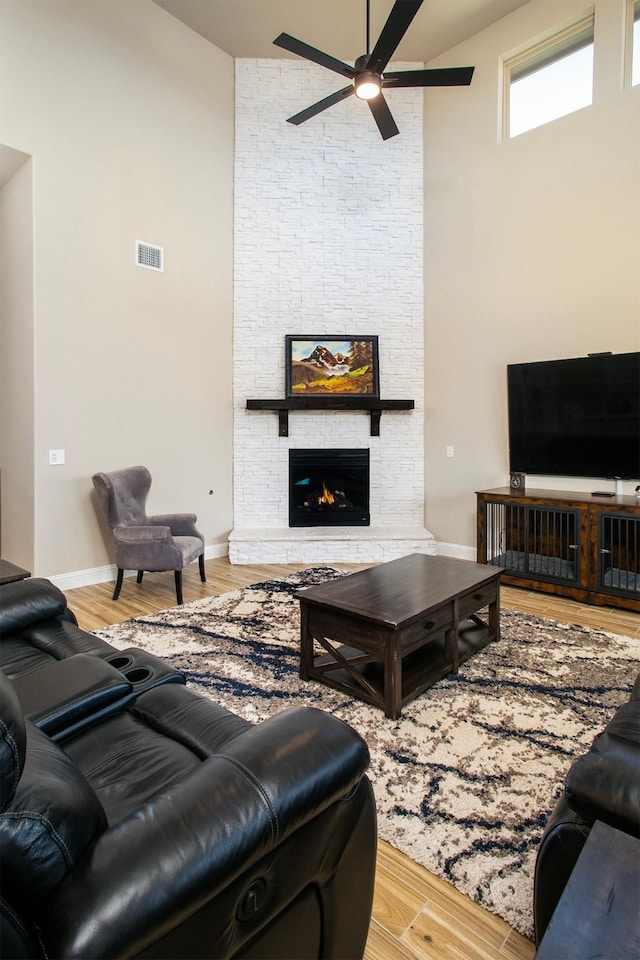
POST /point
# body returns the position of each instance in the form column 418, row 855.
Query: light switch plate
column 56, row 457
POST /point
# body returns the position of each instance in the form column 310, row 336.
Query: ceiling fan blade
column 402, row 13
column 444, row 77
column 321, row 105
column 316, row 56
column 382, row 116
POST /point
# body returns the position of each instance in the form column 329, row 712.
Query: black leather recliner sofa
column 140, row 819
column 604, row 785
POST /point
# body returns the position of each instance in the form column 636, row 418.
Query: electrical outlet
column 56, row 457
column 450, row 451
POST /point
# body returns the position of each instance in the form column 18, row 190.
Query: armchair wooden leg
column 140, row 575
column 201, row 565
column 178, row 576
column 118, row 586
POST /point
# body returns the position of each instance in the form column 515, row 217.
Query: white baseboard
column 106, row 574
column 84, row 578
column 92, row 575
column 456, row 550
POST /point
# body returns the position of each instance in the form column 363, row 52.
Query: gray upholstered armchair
column 164, row 542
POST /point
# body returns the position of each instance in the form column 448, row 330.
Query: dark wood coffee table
column 390, row 632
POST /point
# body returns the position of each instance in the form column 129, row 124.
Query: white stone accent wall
column 328, row 240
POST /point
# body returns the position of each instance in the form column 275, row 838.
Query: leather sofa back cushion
column 28, row 601
column 604, row 784
column 52, row 819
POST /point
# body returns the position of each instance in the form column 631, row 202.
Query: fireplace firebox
column 329, row 488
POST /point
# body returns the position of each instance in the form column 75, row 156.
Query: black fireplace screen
column 328, row 488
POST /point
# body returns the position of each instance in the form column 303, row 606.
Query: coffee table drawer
column 476, row 599
column 427, row 628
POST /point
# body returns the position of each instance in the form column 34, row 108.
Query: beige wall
column 531, row 251
column 128, row 116
column 16, row 359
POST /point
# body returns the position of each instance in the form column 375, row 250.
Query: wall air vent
column 149, row 256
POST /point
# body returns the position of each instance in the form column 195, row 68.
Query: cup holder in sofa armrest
column 144, row 671
column 138, row 674
column 120, row 662
column 73, row 691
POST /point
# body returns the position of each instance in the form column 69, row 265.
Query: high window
column 550, row 80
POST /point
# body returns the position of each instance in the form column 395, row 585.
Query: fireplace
column 329, row 488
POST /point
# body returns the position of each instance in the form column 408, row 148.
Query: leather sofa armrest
column 60, row 695
column 27, row 602
column 564, row 836
column 604, row 784
column 192, row 841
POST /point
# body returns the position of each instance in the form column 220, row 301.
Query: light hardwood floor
column 416, row 916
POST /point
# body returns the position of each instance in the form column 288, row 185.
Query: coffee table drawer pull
column 474, row 600
column 438, row 620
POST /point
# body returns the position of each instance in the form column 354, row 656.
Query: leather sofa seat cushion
column 604, row 784
column 164, row 735
column 51, row 820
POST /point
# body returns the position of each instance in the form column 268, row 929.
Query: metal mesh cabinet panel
column 553, row 543
column 619, row 554
column 505, row 535
column 536, row 541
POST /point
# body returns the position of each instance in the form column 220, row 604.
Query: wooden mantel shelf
column 374, row 405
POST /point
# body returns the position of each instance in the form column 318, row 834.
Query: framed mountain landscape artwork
column 340, row 366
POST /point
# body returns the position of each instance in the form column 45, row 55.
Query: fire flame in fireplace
column 327, row 497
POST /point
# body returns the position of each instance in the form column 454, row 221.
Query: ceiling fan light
column 367, row 86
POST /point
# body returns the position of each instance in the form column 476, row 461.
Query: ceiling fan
column 367, row 76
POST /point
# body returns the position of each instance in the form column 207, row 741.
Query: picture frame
column 331, row 366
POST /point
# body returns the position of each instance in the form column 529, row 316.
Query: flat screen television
column 576, row 418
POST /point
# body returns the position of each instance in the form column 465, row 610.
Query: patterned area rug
column 466, row 779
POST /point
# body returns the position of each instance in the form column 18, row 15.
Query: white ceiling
column 247, row 28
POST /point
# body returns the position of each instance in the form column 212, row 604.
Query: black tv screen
column 576, row 418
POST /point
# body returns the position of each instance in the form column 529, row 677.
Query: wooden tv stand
column 571, row 544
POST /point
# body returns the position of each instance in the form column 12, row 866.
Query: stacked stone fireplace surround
column 328, row 241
